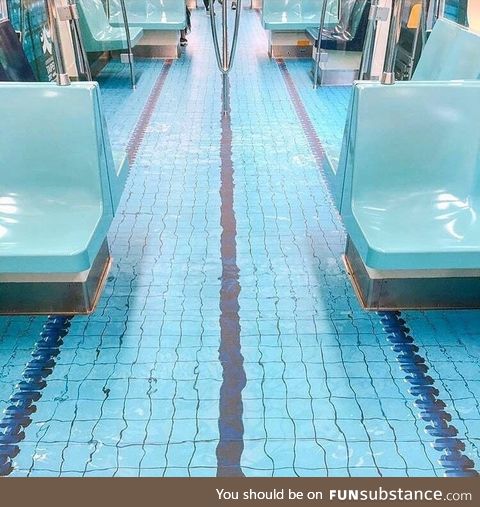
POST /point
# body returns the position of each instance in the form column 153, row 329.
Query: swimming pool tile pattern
column 135, row 391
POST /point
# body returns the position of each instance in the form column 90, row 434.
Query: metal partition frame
column 81, row 59
column 365, row 71
column 3, row 9
column 52, row 16
column 388, row 76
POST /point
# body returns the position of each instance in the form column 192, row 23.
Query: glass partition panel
column 29, row 18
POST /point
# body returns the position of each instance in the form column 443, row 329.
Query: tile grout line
column 427, row 402
column 17, row 416
column 230, row 423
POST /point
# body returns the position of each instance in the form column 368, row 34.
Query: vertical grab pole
column 51, row 9
column 319, row 43
column 388, row 76
column 224, row 59
column 129, row 43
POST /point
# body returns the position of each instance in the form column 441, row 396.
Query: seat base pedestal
column 51, row 296
column 292, row 44
column 420, row 289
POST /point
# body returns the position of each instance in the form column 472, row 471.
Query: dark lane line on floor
column 307, row 125
column 430, row 406
column 21, row 405
column 17, row 415
column 230, row 421
column 140, row 129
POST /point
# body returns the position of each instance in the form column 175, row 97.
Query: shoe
column 183, row 41
column 234, row 6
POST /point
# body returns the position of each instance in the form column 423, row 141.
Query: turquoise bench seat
column 151, row 14
column 60, row 182
column 451, row 52
column 411, row 188
column 97, row 33
column 296, row 15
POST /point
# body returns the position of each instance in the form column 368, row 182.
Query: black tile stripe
column 230, row 422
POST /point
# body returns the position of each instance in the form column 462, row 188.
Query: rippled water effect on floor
column 136, row 388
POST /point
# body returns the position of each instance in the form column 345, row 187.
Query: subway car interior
column 239, row 238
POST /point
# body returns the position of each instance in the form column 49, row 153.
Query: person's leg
column 234, row 4
column 183, row 38
column 207, row 4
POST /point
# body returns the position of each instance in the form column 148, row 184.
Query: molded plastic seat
column 452, row 52
column 293, row 15
column 98, row 34
column 411, row 189
column 59, row 185
column 151, row 14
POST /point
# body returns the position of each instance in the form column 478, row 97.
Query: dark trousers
column 207, row 3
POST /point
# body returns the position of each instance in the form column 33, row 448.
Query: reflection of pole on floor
column 388, row 76
column 51, row 9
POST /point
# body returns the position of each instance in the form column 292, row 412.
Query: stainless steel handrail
column 318, row 54
column 225, row 58
column 388, row 76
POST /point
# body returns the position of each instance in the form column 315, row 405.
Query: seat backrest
column 53, row 137
column 169, row 9
column 433, row 148
column 309, row 9
column 451, row 52
column 93, row 21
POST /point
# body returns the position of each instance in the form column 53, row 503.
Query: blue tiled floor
column 136, row 387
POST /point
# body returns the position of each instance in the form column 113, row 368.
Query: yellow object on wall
column 415, row 16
